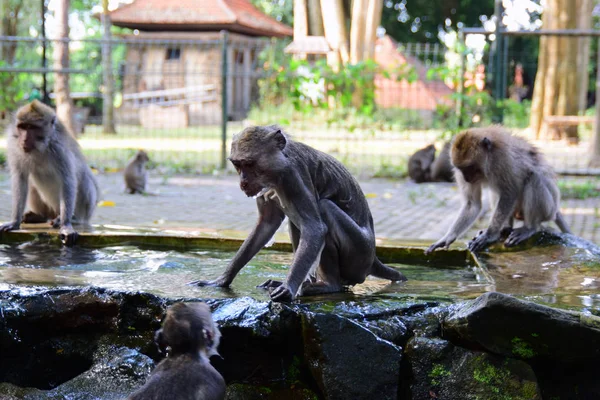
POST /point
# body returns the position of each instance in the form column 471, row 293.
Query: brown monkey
column 331, row 227
column 419, row 164
column 441, row 168
column 189, row 336
column 135, row 173
column 48, row 172
column 517, row 175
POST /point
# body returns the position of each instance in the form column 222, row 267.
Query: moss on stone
column 522, row 349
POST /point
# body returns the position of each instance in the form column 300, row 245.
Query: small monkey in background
column 189, row 336
column 518, row 177
column 48, row 172
column 419, row 164
column 135, row 173
column 441, row 168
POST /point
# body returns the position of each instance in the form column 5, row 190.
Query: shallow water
column 166, row 272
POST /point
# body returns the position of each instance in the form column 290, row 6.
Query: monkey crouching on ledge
column 521, row 182
column 48, row 172
column 189, row 336
column 135, row 173
column 331, row 227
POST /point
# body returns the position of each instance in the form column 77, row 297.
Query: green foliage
column 578, row 189
column 438, row 371
column 521, row 348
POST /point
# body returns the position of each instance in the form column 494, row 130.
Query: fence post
column 224, row 110
column 498, row 58
column 461, row 77
column 595, row 145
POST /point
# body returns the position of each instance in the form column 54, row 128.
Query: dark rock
column 391, row 329
column 440, row 370
column 115, row 373
column 348, row 361
column 505, row 325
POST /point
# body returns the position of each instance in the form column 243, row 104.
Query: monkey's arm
column 313, row 231
column 270, row 218
column 468, row 214
column 67, row 199
column 19, row 183
column 504, row 210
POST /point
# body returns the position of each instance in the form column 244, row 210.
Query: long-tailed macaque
column 135, row 174
column 424, row 166
column 441, row 168
column 48, row 172
column 331, row 227
column 419, row 164
column 517, row 175
column 189, row 336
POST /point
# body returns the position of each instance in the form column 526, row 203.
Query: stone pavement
column 401, row 209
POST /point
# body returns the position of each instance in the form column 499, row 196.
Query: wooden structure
column 174, row 60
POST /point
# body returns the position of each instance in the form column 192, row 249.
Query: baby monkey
column 521, row 181
column 135, row 173
column 48, row 172
column 189, row 336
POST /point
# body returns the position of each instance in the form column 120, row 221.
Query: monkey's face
column 251, row 175
column 471, row 172
column 31, row 137
column 142, row 156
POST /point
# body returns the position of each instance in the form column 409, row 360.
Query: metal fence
column 182, row 96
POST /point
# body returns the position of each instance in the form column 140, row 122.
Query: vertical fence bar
column 595, row 148
column 461, row 77
column 224, row 100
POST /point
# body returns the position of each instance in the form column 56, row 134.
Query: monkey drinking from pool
column 48, row 172
column 189, row 336
column 330, row 224
column 520, row 180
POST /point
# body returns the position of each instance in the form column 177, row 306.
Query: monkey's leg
column 538, row 205
column 32, row 218
column 327, row 278
column 40, row 211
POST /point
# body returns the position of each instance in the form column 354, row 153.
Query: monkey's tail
column 562, row 224
column 382, row 271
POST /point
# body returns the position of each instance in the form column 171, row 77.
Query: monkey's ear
column 486, row 143
column 279, row 138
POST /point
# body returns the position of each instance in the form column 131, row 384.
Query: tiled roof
column 234, row 15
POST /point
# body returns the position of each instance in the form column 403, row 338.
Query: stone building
column 172, row 75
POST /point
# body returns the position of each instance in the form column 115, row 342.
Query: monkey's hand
column 281, row 293
column 442, row 243
column 67, row 235
column 221, row 281
column 10, row 226
column 270, row 284
column 480, row 241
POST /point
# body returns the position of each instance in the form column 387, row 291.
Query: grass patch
column 579, row 189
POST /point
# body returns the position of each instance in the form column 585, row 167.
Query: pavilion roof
column 238, row 16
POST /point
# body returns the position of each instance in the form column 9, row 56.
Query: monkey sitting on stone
column 519, row 178
column 331, row 227
column 424, row 166
column 189, row 336
column 135, row 173
column 48, row 172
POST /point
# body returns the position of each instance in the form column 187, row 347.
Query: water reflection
column 555, row 275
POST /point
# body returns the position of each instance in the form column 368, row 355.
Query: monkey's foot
column 32, row 218
column 310, row 289
column 67, row 235
column 55, row 223
column 219, row 282
column 270, row 284
column 480, row 241
column 519, row 235
column 10, row 226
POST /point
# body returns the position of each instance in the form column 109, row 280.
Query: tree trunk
column 315, row 18
column 567, row 103
column 108, row 111
column 357, row 30
column 373, row 20
column 584, row 21
column 64, row 105
column 335, row 32
column 550, row 81
column 300, row 19
column 536, row 114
